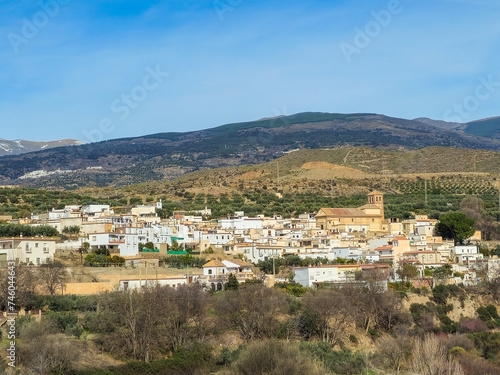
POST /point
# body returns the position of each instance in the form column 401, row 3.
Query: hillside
column 169, row 155
column 21, row 146
column 439, row 123
column 429, row 180
column 489, row 127
column 338, row 172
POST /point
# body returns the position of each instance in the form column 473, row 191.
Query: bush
column 488, row 343
column 489, row 315
column 441, row 292
column 183, row 261
column 49, row 354
column 68, row 302
column 228, row 356
column 472, row 325
column 454, row 341
column 62, row 320
column 293, row 288
column 338, row 362
column 472, row 365
column 273, row 357
column 196, row 359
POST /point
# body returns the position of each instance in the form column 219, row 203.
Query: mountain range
column 21, row 146
column 169, row 155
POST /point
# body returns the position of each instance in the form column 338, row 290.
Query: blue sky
column 98, row 70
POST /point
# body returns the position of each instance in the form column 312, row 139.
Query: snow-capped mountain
column 20, row 146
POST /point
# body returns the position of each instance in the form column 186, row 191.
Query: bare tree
column 140, row 314
column 53, row 275
column 431, row 358
column 25, row 284
column 153, row 318
column 474, row 207
column 396, row 350
column 372, row 307
column 330, row 307
column 253, row 310
column 187, row 307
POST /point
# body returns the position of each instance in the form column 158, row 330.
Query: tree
column 442, row 273
column 144, row 323
column 53, row 276
column 430, row 357
column 455, row 226
column 232, row 283
column 253, row 310
column 26, row 283
column 473, row 207
column 330, row 310
column 72, row 229
column 396, row 350
column 407, row 271
column 84, row 249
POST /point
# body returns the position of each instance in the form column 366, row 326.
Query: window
column 36, row 244
column 37, row 260
column 209, row 272
column 27, row 260
column 28, row 250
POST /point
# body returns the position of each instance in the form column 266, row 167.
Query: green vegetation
column 184, row 261
column 15, row 230
column 21, row 202
column 484, row 128
column 286, row 329
column 489, row 315
column 455, row 226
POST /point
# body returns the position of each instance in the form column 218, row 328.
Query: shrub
column 274, row 358
column 338, row 362
column 488, row 343
column 472, row 325
column 472, row 365
column 293, row 288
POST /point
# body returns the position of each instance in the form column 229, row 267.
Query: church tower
column 377, row 198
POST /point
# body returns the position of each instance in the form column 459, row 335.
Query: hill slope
column 168, row 155
column 489, row 127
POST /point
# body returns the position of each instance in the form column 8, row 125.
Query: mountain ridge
column 22, row 146
column 168, row 155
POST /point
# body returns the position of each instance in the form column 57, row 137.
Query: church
column 367, row 218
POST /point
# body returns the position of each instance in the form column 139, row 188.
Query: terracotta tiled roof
column 341, row 212
column 214, row 263
column 384, row 248
column 369, row 206
column 375, row 192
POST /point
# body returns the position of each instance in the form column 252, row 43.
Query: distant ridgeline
column 170, row 155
